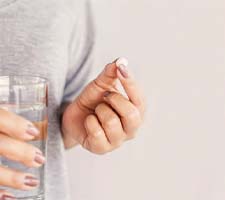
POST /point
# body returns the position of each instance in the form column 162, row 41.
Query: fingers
column 4, row 195
column 111, row 124
column 13, row 131
column 129, row 114
column 20, row 152
column 106, row 79
column 93, row 93
column 16, row 126
column 96, row 141
column 17, row 180
column 130, row 85
column 105, row 130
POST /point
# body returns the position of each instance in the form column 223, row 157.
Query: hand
column 101, row 118
column 15, row 131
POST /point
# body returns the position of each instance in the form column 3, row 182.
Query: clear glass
column 27, row 96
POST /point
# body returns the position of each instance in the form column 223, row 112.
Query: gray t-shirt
column 52, row 39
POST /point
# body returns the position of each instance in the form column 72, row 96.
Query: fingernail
column 8, row 197
column 31, row 181
column 122, row 61
column 124, row 71
column 31, row 130
column 39, row 158
column 122, row 64
column 106, row 94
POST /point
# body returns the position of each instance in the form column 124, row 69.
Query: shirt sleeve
column 81, row 54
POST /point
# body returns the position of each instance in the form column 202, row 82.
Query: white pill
column 122, row 61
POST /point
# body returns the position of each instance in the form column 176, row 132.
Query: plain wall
column 176, row 49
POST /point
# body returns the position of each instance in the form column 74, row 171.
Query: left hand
column 101, row 118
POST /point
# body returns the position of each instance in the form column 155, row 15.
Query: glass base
column 38, row 197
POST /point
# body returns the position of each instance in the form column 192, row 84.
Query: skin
column 100, row 119
column 14, row 146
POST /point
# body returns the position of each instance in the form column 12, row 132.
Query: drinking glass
column 27, row 96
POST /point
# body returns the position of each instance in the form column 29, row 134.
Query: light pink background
column 177, row 50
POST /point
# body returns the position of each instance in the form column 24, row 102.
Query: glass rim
column 41, row 80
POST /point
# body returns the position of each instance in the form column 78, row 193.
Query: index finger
column 130, row 85
column 17, row 127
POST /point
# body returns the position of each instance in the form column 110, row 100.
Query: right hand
column 15, row 132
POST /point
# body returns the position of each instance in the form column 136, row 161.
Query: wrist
column 68, row 140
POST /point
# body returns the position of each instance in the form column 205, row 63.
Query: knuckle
column 114, row 96
column 88, row 120
column 99, row 152
column 111, row 122
column 100, row 107
column 102, row 149
column 28, row 155
column 134, row 113
column 15, row 180
column 134, row 118
column 117, row 144
column 99, row 149
column 97, row 133
column 117, row 138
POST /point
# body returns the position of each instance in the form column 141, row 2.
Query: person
column 55, row 39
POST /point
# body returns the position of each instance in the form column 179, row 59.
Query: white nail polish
column 122, row 61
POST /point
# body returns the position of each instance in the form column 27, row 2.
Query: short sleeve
column 80, row 53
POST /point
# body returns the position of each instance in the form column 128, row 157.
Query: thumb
column 107, row 78
column 93, row 94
